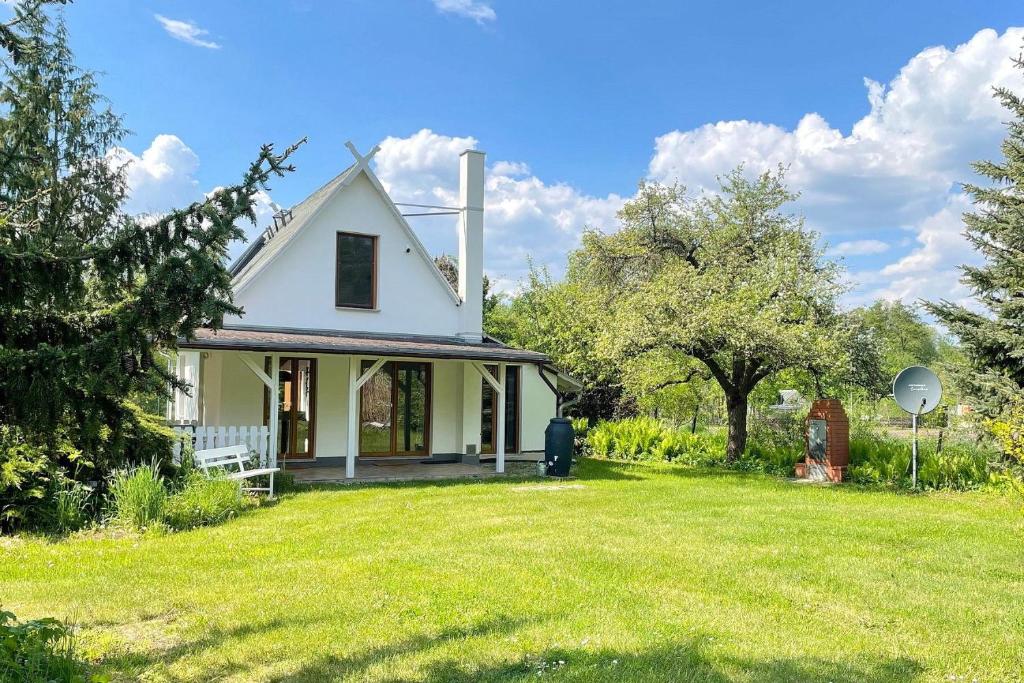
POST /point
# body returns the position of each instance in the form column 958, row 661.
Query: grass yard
column 631, row 572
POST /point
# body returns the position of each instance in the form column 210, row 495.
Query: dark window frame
column 373, row 271
column 292, row 414
column 515, row 434
column 391, row 368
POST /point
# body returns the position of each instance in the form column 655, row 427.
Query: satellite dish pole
column 918, row 391
column 913, row 450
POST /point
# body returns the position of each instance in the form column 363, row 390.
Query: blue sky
column 574, row 102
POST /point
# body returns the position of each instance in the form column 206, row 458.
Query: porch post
column 499, row 446
column 275, row 378
column 354, row 364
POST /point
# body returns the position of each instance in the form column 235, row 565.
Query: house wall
column 240, row 391
column 297, row 286
column 331, row 406
column 233, row 396
column 445, row 407
column 538, row 407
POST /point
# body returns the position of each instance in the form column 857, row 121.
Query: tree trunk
column 693, row 425
column 737, row 407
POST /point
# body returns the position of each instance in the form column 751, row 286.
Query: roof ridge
column 318, row 195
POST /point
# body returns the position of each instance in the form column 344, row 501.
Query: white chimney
column 471, row 243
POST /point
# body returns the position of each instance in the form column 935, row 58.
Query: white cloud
column 186, row 32
column 477, row 10
column 887, row 191
column 161, row 178
column 859, row 248
column 525, row 217
column 898, row 168
column 931, row 269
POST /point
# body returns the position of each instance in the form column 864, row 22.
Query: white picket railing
column 257, row 438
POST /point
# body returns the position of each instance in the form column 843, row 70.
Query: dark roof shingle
column 356, row 343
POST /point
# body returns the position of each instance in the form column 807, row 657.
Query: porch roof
column 239, row 338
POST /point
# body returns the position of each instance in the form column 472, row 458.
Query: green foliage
column 775, row 445
column 39, row 650
column 25, row 473
column 877, row 459
column 562, row 319
column 1008, row 431
column 71, row 507
column 903, row 336
column 958, row 466
column 775, row 448
column 88, row 294
column 645, row 438
column 885, row 460
column 727, row 286
column 138, row 497
column 34, row 477
column 992, row 340
column 203, row 501
column 141, row 498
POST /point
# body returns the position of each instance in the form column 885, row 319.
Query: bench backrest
column 223, row 457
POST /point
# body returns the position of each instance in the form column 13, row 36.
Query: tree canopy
column 726, row 286
column 87, row 292
column 992, row 338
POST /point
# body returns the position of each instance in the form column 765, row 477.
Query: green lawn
column 627, row 573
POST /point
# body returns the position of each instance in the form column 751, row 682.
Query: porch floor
column 407, row 470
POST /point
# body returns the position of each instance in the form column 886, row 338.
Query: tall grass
column 70, row 507
column 138, row 497
column 203, row 501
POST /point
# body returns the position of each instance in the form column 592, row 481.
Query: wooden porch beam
column 257, row 370
column 498, row 386
column 370, row 372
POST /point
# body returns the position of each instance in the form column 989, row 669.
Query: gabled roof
column 264, row 249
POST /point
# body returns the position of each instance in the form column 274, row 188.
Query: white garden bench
column 228, row 456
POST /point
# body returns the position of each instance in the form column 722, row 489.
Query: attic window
column 356, row 273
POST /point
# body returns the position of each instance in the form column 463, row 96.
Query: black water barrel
column 558, row 444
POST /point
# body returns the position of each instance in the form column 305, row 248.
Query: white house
column 368, row 349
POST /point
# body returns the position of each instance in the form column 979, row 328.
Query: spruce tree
column 88, row 294
column 993, row 340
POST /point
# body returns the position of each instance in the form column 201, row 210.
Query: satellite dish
column 917, row 390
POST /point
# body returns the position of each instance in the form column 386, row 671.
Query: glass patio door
column 296, row 407
column 394, row 411
column 489, row 411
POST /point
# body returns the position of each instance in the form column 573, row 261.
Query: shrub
column 138, row 497
column 41, row 650
column 203, row 501
column 772, row 456
column 31, row 474
column 580, row 427
column 25, row 474
column 645, row 438
column 877, row 459
column 958, row 466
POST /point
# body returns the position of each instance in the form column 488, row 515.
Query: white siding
column 296, row 287
column 445, row 407
column 331, row 406
column 538, row 407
